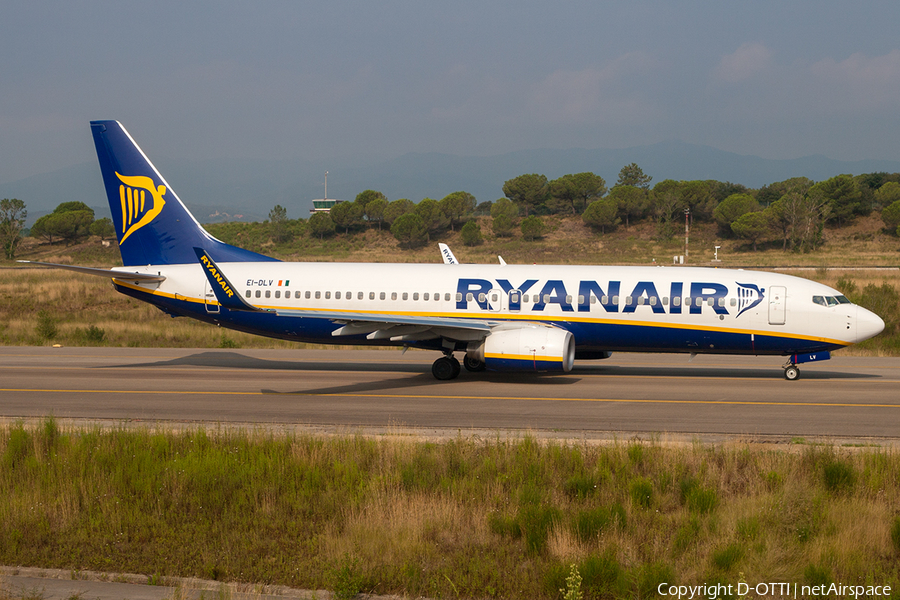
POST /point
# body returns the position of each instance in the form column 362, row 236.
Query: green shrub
column 839, row 476
column 895, row 533
column 726, row 558
column 589, row 523
column 702, row 500
column 642, row 492
column 46, row 326
column 580, row 486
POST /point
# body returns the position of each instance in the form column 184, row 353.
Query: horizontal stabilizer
column 111, row 274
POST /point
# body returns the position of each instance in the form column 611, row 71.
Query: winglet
column 225, row 293
column 447, row 255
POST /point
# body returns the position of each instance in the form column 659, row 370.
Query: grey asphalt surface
column 715, row 397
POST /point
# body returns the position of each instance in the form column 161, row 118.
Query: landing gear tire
column 473, row 364
column 445, row 368
column 792, row 373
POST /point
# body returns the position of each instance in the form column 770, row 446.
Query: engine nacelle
column 526, row 348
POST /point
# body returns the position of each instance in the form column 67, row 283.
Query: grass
column 459, row 518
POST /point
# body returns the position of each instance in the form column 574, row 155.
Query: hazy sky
column 300, row 80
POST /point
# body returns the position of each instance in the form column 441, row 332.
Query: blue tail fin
column 152, row 225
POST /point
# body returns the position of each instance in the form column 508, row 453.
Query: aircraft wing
column 398, row 327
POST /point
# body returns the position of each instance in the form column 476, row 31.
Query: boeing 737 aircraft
column 499, row 317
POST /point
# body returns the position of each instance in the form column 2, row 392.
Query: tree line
column 794, row 212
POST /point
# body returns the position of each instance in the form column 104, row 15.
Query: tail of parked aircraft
column 152, row 225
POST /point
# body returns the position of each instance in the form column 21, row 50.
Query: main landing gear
column 447, row 367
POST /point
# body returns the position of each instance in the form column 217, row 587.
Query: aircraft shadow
column 706, row 372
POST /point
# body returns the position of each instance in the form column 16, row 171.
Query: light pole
column 687, row 215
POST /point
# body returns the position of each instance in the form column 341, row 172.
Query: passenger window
column 514, row 298
column 278, row 293
column 337, row 295
column 393, row 295
column 425, row 296
column 359, row 296
column 653, row 301
column 482, row 297
column 268, row 294
column 641, row 300
column 687, row 300
column 470, row 297
column 734, row 302
column 349, row 296
column 382, row 296
column 258, row 294
column 721, row 302
column 628, row 300
column 525, row 298
column 615, row 300
column 328, row 295
column 447, row 297
column 249, row 293
column 405, row 296
column 546, row 298
column 665, row 300
column 593, row 299
column 676, row 300
column 318, row 295
column 307, row 294
column 287, row 293
column 605, row 300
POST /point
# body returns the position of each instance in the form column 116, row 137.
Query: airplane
column 504, row 317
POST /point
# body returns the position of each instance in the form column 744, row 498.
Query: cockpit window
column 830, row 300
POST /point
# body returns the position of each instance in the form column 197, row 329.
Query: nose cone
column 868, row 324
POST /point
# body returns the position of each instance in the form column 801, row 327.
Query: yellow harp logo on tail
column 137, row 209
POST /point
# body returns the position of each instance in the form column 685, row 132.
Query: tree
column 471, row 234
column 632, row 202
column 751, row 226
column 503, row 217
column 103, row 228
column 891, row 216
column 769, row 194
column 732, row 208
column 632, row 175
column 527, row 191
column 364, row 197
column 576, row 191
column 457, row 206
column 321, row 225
column 396, row 208
column 12, row 220
column 843, row 195
column 697, row 196
column 602, row 214
column 375, row 211
column 347, row 215
column 429, row 212
column 887, row 194
column 69, row 221
column 533, row 228
column 409, row 230
column 278, row 224
column 667, row 205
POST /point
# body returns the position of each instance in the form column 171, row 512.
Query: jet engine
column 525, row 348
